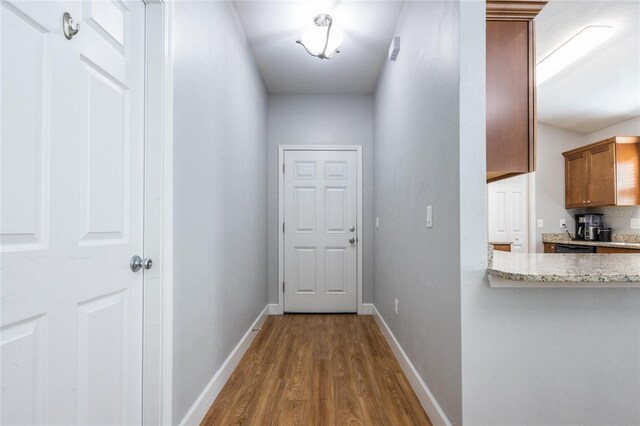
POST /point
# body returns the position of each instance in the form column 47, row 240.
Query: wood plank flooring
column 318, row 370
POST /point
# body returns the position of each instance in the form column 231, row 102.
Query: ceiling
column 603, row 87
column 272, row 28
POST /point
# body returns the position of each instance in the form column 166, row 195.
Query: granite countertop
column 618, row 241
column 563, row 270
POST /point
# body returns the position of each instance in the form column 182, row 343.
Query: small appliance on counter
column 588, row 226
column 604, row 234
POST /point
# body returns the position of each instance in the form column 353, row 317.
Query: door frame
column 157, row 363
column 359, row 261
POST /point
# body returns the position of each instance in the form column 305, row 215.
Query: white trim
column 158, row 281
column 367, row 309
column 428, row 401
column 202, row 404
column 533, row 226
column 281, row 150
column 274, row 309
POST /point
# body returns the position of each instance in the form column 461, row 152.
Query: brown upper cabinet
column 511, row 88
column 605, row 173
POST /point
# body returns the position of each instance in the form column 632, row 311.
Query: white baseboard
column 366, row 309
column 202, row 404
column 428, row 401
column 274, row 309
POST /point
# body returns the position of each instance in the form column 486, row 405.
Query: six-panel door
column 320, row 247
column 72, row 193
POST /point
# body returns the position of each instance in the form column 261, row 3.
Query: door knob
column 137, row 262
column 352, row 228
column 352, row 240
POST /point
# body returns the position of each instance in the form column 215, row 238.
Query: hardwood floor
column 318, row 370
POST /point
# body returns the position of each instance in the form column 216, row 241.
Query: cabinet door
column 616, row 250
column 509, row 107
column 602, row 176
column 576, row 180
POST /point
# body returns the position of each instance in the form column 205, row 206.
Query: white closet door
column 72, row 193
column 509, row 212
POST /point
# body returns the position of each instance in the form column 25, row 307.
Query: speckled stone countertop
column 563, row 270
column 619, row 241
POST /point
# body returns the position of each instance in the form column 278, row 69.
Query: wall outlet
column 563, row 223
column 377, row 223
column 429, row 216
column 540, row 223
column 635, row 223
column 396, row 307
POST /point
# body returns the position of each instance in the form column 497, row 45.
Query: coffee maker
column 588, row 226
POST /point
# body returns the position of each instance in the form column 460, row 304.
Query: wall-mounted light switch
column 540, row 223
column 635, row 223
column 429, row 216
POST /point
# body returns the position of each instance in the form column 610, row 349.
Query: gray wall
column 321, row 120
column 549, row 178
column 416, row 163
column 220, row 228
column 536, row 356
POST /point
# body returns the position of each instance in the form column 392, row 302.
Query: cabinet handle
column 588, row 201
column 584, row 202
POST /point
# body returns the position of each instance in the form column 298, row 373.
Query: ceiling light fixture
column 576, row 47
column 320, row 41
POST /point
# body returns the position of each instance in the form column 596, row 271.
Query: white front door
column 320, row 247
column 72, row 156
column 509, row 212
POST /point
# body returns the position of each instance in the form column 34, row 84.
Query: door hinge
column 283, row 286
column 282, row 167
column 283, row 227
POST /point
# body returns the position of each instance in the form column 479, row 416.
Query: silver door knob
column 352, row 228
column 137, row 262
column 352, row 240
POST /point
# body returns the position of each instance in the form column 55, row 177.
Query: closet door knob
column 137, row 263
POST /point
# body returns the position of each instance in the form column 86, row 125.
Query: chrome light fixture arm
column 322, row 20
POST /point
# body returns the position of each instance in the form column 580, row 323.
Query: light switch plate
column 429, row 216
column 635, row 223
column 540, row 223
column 563, row 223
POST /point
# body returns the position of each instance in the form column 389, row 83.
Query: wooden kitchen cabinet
column 606, row 173
column 549, row 247
column 511, row 88
column 502, row 247
column 616, row 250
column 576, row 180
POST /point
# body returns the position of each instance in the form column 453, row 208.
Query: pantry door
column 72, row 164
column 320, row 238
column 509, row 212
